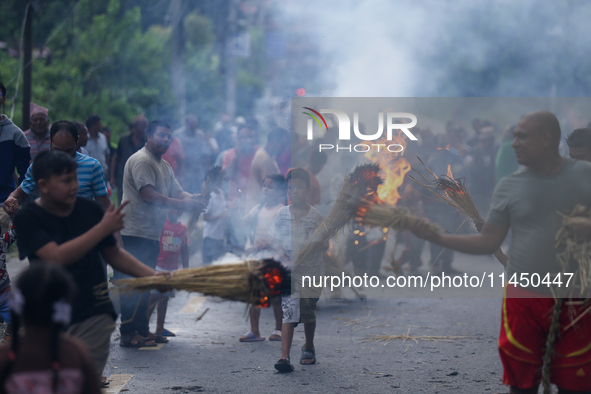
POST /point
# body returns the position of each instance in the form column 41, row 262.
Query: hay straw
column 359, row 184
column 576, row 257
column 451, row 191
column 404, row 337
column 253, row 281
column 387, row 215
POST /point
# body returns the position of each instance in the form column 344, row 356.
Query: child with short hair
column 174, row 243
column 44, row 358
column 63, row 229
column 292, row 227
column 260, row 219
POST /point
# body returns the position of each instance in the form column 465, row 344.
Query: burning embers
column 450, row 191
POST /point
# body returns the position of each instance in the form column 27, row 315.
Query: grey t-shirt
column 141, row 170
column 528, row 203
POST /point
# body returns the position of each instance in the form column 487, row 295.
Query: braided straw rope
column 553, row 332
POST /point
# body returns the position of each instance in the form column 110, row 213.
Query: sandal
column 276, row 336
column 308, row 354
column 126, row 341
column 166, row 333
column 283, row 365
column 250, row 337
column 158, row 338
column 104, row 382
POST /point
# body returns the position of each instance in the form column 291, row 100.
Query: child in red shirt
column 174, row 242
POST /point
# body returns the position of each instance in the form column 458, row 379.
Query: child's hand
column 113, row 218
column 10, row 206
column 163, row 289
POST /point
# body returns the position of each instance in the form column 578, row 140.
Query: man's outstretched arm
column 487, row 242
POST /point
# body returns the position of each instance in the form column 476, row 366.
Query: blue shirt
column 91, row 178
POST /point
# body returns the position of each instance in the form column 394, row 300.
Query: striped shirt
column 91, row 178
column 37, row 146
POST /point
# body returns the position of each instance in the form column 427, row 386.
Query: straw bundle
column 576, row 257
column 387, row 215
column 213, row 178
column 253, row 281
column 360, row 183
column 450, row 191
column 404, row 337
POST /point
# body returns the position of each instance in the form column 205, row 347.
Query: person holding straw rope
column 529, row 202
column 151, row 188
column 67, row 230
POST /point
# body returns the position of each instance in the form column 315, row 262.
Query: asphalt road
column 207, row 357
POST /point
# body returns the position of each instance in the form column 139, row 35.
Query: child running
column 174, row 242
column 260, row 219
column 291, row 228
column 8, row 238
column 44, row 359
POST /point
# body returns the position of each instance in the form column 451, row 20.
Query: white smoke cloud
column 448, row 48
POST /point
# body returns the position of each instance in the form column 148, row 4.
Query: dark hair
column 64, row 125
column 107, row 129
column 298, row 173
column 249, row 128
column 92, row 120
column 79, row 127
column 281, row 184
column 3, row 89
column 155, row 124
column 579, row 138
column 41, row 286
column 51, row 162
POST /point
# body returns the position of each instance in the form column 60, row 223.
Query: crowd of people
column 269, row 202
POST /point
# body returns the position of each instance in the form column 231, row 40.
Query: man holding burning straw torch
column 151, row 188
column 529, row 202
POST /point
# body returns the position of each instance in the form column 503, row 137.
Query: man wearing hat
column 38, row 134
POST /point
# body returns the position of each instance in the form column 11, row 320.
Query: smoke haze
column 447, row 48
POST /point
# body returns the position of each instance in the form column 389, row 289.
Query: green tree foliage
column 112, row 58
column 105, row 65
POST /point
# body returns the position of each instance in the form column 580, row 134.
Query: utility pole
column 28, row 65
column 177, row 18
column 231, row 61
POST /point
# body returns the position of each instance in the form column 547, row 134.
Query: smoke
column 432, row 48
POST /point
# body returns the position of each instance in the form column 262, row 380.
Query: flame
column 446, row 147
column 393, row 167
column 449, row 174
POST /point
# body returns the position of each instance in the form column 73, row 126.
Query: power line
column 47, row 41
